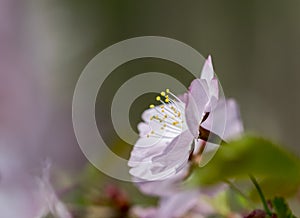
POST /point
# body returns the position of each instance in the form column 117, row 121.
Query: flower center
column 169, row 114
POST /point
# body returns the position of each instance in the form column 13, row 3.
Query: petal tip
column 209, row 62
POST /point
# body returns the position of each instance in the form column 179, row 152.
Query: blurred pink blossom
column 23, row 121
column 25, row 195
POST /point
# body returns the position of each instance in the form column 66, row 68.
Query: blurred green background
column 254, row 44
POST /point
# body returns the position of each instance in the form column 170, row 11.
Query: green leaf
column 281, row 208
column 268, row 162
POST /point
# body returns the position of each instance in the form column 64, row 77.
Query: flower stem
column 237, row 190
column 261, row 195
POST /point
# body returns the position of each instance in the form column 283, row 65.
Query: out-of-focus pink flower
column 176, row 206
column 171, row 132
column 24, row 195
column 19, row 192
column 141, row 212
column 183, row 202
column 52, row 204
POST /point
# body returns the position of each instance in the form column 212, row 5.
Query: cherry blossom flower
column 180, row 128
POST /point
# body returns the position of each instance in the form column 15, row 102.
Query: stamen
column 178, row 106
column 168, row 115
column 167, row 122
column 174, row 96
column 157, row 135
column 170, row 110
column 175, row 123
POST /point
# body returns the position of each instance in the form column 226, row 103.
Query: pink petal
column 216, row 120
column 207, row 72
column 198, row 98
column 183, row 97
column 225, row 120
column 234, row 125
column 209, row 75
column 214, row 88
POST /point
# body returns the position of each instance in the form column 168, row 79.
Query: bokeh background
column 45, row 44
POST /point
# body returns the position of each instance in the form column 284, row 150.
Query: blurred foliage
column 91, row 195
column 277, row 169
column 281, row 208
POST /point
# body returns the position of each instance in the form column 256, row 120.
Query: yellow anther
column 152, row 106
column 178, row 114
column 165, row 125
column 166, row 116
column 175, row 123
column 151, row 118
column 167, row 100
column 157, row 98
column 148, row 136
column 152, row 132
column 168, row 90
column 163, row 94
column 162, row 111
column 162, row 106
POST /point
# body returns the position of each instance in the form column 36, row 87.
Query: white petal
column 144, row 172
column 147, row 114
column 145, row 149
column 177, row 152
column 144, row 129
